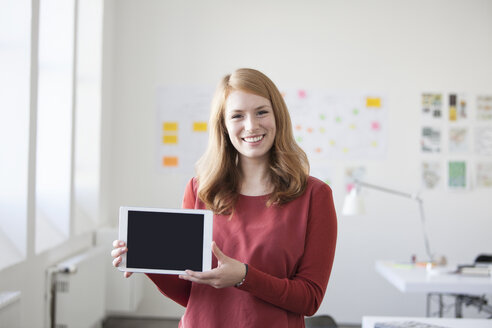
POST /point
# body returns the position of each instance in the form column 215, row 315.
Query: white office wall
column 400, row 48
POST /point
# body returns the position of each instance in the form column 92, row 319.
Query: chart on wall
column 182, row 126
column 338, row 125
column 327, row 125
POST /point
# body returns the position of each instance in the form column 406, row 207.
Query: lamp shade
column 353, row 203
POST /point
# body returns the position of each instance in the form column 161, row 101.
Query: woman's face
column 250, row 123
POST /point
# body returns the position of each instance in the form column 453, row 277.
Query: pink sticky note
column 375, row 125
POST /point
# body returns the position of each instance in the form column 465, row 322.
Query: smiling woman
column 274, row 226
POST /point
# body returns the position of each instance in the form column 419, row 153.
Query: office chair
column 320, row 321
column 484, row 258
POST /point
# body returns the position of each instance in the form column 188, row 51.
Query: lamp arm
column 406, row 195
column 424, row 231
column 391, row 191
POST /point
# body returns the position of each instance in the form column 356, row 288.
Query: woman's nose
column 250, row 123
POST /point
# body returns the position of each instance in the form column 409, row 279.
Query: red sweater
column 289, row 250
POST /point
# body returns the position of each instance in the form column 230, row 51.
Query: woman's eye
column 236, row 116
column 262, row 112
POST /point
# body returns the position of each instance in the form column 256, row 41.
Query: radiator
column 77, row 291
column 10, row 309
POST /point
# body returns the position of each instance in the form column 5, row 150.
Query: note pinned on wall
column 327, row 125
column 458, row 140
column 170, row 140
column 200, row 126
column 457, row 175
column 431, row 106
column 484, row 175
column 484, row 107
column 170, row 126
column 170, row 161
column 182, row 116
column 331, row 125
column 372, row 102
column 431, row 174
column 483, row 140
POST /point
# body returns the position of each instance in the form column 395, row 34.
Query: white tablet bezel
column 207, row 237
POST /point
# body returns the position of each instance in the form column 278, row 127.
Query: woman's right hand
column 119, row 248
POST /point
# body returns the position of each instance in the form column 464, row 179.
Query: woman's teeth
column 253, row 139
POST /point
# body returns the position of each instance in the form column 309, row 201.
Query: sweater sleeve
column 170, row 285
column 303, row 292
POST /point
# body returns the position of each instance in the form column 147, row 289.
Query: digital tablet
column 166, row 241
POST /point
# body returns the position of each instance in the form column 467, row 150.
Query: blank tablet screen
column 165, row 241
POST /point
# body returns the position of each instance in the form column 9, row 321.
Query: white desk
column 368, row 322
column 414, row 279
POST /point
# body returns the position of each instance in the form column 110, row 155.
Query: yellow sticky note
column 373, row 102
column 170, row 126
column 170, row 139
column 200, row 126
column 170, row 161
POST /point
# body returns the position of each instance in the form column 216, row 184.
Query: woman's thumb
column 217, row 252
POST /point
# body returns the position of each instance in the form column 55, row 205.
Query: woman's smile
column 254, row 139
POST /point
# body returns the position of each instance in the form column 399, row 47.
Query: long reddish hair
column 218, row 173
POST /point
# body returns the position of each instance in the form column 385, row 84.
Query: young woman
column 275, row 227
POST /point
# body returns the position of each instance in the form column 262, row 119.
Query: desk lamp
column 354, row 205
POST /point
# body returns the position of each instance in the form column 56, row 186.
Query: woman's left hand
column 229, row 272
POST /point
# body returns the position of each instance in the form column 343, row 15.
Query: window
column 54, row 122
column 87, row 115
column 64, row 131
column 15, row 58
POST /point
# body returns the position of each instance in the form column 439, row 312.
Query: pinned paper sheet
column 170, row 139
column 200, row 126
column 431, row 105
column 170, row 161
column 457, row 178
column 484, row 107
column 431, row 174
column 484, row 174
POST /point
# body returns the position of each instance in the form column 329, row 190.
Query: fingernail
column 122, row 243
